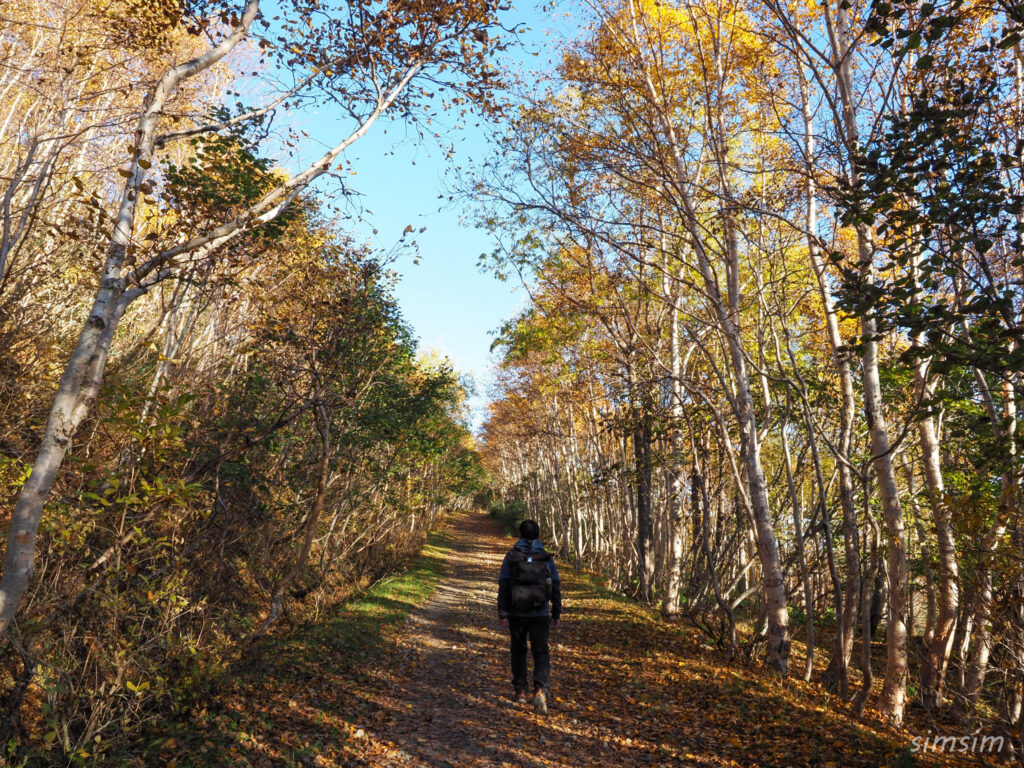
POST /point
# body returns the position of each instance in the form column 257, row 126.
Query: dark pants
column 537, row 630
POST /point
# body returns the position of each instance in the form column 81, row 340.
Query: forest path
column 448, row 701
column 432, row 689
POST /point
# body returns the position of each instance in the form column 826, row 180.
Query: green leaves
column 937, row 193
column 1009, row 40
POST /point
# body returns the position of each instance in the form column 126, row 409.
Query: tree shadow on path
column 434, row 690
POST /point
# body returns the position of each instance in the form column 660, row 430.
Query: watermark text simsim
column 972, row 743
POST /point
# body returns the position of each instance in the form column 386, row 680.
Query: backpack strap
column 518, row 556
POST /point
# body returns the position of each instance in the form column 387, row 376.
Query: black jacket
column 505, row 586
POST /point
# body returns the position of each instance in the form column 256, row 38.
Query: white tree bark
column 727, row 318
column 893, row 696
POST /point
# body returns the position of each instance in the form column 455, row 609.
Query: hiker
column 528, row 581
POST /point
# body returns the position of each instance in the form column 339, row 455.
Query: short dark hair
column 529, row 529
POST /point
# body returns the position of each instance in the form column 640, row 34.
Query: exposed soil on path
column 435, row 690
column 450, row 703
column 621, row 695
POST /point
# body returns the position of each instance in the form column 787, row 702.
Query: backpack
column 531, row 580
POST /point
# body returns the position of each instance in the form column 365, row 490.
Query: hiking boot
column 520, row 697
column 540, row 702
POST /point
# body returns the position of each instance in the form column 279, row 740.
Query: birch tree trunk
column 798, row 534
column 867, row 680
column 893, row 696
column 644, row 531
column 926, row 557
column 981, row 642
column 836, row 674
column 777, row 656
column 80, row 383
column 933, row 671
column 674, row 475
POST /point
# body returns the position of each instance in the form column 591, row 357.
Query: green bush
column 508, row 513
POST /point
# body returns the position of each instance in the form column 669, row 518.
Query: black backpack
column 531, row 580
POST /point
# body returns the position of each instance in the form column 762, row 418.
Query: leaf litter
column 402, row 679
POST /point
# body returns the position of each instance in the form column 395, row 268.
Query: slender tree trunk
column 836, row 674
column 700, row 497
column 674, row 480
column 933, row 671
column 644, row 537
column 867, row 631
column 78, row 389
column 798, row 534
column 323, row 426
column 926, row 557
column 981, row 642
column 893, row 696
column 80, row 383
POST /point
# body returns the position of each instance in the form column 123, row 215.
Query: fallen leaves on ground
column 374, row 688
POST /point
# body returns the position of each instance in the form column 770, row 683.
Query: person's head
column 529, row 529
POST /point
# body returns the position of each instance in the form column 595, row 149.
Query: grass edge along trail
column 297, row 699
column 317, row 695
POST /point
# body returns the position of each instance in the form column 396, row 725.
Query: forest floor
column 415, row 673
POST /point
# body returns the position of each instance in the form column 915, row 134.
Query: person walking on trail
column 527, row 583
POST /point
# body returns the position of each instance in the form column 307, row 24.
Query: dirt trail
column 433, row 690
column 450, row 700
column 448, row 704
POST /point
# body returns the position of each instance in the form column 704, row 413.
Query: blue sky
column 451, row 305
